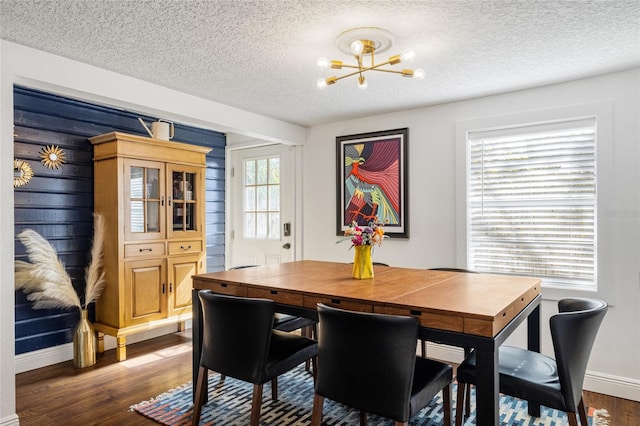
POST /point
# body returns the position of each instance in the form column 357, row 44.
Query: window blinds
column 531, row 201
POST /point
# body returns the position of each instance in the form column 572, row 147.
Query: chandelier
column 364, row 44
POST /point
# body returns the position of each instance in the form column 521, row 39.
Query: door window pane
column 137, row 177
column 137, row 216
column 144, row 199
column 262, row 198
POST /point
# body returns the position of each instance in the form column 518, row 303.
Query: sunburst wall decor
column 52, row 156
column 22, row 173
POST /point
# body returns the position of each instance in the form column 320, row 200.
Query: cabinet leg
column 100, row 340
column 182, row 326
column 121, row 349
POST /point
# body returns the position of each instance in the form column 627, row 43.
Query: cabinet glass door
column 184, row 184
column 144, row 193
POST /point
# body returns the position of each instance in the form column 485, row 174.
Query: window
column 532, row 201
column 262, row 198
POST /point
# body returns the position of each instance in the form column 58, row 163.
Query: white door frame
column 297, row 227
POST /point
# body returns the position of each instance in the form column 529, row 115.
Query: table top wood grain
column 478, row 304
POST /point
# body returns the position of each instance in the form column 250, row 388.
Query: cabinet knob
column 185, row 248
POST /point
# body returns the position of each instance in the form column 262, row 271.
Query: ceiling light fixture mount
column 362, row 42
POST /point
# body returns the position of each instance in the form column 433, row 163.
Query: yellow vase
column 362, row 263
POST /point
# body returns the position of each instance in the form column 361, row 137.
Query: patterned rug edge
column 164, row 410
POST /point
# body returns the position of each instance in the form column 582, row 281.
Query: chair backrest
column 366, row 360
column 573, row 331
column 236, row 335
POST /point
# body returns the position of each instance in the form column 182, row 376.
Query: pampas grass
column 94, row 277
column 45, row 279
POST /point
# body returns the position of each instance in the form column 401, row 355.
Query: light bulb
column 418, row 74
column 362, row 83
column 324, row 62
column 357, row 47
column 322, row 83
column 408, row 55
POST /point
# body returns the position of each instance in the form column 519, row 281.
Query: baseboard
column 61, row 353
column 620, row 387
column 11, row 420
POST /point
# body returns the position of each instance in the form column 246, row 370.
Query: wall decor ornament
column 22, row 173
column 52, row 156
column 371, row 180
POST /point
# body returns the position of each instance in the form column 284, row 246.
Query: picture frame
column 371, row 180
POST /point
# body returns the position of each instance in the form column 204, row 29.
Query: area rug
column 230, row 404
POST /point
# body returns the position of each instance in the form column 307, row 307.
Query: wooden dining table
column 460, row 309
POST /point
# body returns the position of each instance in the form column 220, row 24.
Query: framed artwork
column 372, row 180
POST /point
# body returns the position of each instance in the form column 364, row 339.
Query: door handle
column 286, row 246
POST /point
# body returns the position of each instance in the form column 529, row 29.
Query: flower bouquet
column 363, row 238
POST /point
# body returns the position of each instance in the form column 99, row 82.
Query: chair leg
column 316, row 414
column 582, row 412
column 200, row 395
column 460, row 403
column 363, row 418
column 423, row 348
column 573, row 420
column 256, row 405
column 274, row 388
column 314, row 365
column 446, row 404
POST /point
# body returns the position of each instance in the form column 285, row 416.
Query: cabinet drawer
column 311, row 302
column 426, row 319
column 184, row 247
column 144, row 249
column 285, row 297
column 223, row 288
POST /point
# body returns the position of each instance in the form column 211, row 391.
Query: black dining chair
column 238, row 340
column 554, row 383
column 467, row 350
column 368, row 361
column 289, row 323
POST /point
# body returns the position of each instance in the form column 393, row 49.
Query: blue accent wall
column 58, row 203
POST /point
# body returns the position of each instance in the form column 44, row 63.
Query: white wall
column 36, row 69
column 614, row 367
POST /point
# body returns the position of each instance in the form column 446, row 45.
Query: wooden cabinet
column 151, row 194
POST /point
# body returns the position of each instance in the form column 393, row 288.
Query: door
column 262, row 207
column 145, row 286
column 144, row 200
column 181, row 269
column 183, row 198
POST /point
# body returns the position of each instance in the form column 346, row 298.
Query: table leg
column 196, row 339
column 533, row 344
column 487, row 387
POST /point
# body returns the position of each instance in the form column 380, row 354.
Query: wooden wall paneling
column 58, row 203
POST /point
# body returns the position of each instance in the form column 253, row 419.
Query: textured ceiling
column 260, row 56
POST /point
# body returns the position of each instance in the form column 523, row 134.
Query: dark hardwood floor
column 102, row 394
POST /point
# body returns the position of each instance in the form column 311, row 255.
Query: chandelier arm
column 350, row 74
column 384, row 70
column 363, row 69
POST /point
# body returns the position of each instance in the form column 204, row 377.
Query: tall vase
column 84, row 342
column 362, row 263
